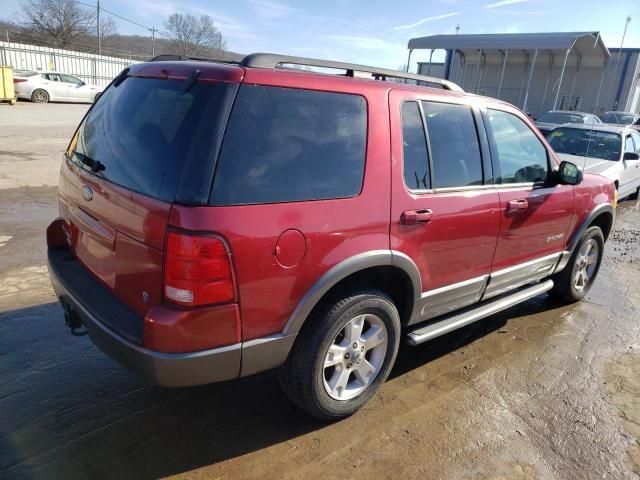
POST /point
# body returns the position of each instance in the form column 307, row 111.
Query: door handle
column 519, row 205
column 414, row 217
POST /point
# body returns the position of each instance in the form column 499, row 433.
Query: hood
column 590, row 164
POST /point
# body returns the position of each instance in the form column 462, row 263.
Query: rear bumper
column 166, row 369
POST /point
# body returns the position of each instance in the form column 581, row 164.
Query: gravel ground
column 542, row 391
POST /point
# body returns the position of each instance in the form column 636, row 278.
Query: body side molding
column 373, row 258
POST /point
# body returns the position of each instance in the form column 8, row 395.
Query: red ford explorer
column 220, row 220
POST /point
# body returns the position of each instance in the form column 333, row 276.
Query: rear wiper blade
column 95, row 165
column 190, row 82
column 121, row 77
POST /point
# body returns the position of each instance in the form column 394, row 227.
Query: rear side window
column 455, row 149
column 146, row 132
column 521, row 156
column 287, row 145
column 414, row 148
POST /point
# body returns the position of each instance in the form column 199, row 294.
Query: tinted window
column 70, row 79
column 521, row 157
column 561, row 117
column 145, row 131
column 586, row 143
column 414, row 148
column 618, row 118
column 455, row 150
column 629, row 146
column 285, row 145
column 636, row 140
column 54, row 77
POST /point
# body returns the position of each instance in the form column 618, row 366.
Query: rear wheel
column 39, row 96
column 574, row 282
column 343, row 355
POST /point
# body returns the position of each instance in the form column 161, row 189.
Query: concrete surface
column 542, row 391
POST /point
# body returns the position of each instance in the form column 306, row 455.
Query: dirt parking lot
column 541, row 391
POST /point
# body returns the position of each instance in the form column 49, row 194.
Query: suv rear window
column 146, row 131
column 287, row 145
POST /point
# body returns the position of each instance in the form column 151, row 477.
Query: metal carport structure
column 518, row 57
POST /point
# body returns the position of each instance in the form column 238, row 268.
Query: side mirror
column 631, row 156
column 569, row 174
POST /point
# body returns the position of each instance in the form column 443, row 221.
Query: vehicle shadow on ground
column 69, row 411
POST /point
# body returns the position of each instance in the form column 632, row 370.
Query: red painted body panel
column 171, row 329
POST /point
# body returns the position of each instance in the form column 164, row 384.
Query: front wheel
column 343, row 355
column 573, row 283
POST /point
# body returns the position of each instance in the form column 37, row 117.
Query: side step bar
column 449, row 324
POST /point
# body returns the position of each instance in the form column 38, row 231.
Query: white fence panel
column 97, row 69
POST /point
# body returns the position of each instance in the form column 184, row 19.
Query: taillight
column 19, row 80
column 197, row 271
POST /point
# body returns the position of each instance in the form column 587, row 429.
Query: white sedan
column 609, row 150
column 43, row 87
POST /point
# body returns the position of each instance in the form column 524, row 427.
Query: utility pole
column 153, row 31
column 98, row 26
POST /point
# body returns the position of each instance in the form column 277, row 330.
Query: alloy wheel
column 355, row 357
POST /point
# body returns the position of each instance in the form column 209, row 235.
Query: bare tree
column 193, row 35
column 107, row 27
column 58, row 21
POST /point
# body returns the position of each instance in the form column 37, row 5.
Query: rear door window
column 455, row 148
column 288, row 145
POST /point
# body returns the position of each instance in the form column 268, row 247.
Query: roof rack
column 270, row 60
column 171, row 57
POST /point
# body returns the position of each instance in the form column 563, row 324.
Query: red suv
column 219, row 220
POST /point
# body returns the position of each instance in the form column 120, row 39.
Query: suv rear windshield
column 147, row 132
column 288, row 145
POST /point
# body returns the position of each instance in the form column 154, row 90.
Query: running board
column 449, row 324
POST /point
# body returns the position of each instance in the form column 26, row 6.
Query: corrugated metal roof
column 503, row 41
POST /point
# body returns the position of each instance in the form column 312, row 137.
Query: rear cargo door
column 124, row 168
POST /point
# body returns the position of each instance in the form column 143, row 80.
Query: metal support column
column 430, row 59
column 504, row 66
column 564, row 66
column 526, row 94
column 605, row 67
column 573, row 85
column 409, row 59
column 478, row 70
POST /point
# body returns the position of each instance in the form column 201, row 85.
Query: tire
column 314, row 377
column 574, row 282
column 39, row 96
column 635, row 196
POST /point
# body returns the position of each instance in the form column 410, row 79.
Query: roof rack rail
column 171, row 57
column 270, row 60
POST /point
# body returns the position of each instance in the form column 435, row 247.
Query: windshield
column 618, row 118
column 561, row 117
column 586, row 143
column 142, row 133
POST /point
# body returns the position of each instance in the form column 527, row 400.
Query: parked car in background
column 221, row 220
column 43, row 87
column 612, row 151
column 554, row 118
column 622, row 118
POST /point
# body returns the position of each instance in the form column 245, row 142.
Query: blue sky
column 374, row 31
